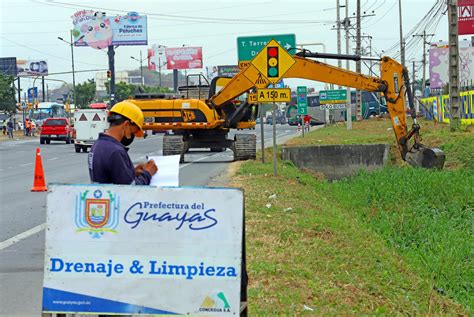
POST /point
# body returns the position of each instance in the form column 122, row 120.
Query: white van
column 88, row 123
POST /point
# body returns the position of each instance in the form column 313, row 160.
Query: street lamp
column 160, row 52
column 141, row 66
column 72, row 59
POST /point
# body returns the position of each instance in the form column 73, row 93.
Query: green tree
column 85, row 93
column 7, row 93
column 149, row 89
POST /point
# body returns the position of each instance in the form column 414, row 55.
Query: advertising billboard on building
column 439, row 65
column 143, row 250
column 94, row 29
column 465, row 17
column 37, row 67
column 183, row 57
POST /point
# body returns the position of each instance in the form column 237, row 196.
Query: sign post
column 302, row 100
column 249, row 46
column 331, row 97
column 273, row 62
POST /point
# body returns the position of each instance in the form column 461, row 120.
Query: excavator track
column 245, row 147
column 173, row 145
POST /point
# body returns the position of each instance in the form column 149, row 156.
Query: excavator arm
column 393, row 83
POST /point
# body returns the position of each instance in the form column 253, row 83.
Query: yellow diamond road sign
column 256, row 77
column 273, row 61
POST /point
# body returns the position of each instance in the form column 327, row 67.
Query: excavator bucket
column 425, row 157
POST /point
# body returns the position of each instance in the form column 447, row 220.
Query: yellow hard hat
column 130, row 111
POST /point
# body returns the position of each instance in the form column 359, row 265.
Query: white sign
column 335, row 106
column 143, row 250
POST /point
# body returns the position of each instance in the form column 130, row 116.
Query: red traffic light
column 272, row 51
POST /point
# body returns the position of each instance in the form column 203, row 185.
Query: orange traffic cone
column 39, row 182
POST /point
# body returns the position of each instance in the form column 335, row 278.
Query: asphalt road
column 23, row 213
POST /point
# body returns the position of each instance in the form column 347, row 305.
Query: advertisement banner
column 439, row 65
column 151, row 59
column 228, row 70
column 119, row 249
column 32, row 67
column 94, row 29
column 465, row 17
column 183, row 57
column 154, row 57
column 32, row 94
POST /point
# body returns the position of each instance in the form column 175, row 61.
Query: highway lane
column 23, row 213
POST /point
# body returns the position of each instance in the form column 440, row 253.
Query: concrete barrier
column 338, row 161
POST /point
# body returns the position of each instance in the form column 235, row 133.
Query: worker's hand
column 151, row 167
column 139, row 169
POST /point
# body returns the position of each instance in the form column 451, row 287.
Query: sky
column 29, row 29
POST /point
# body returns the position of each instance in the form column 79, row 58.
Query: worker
column 27, row 127
column 108, row 159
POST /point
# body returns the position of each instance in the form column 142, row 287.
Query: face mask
column 127, row 141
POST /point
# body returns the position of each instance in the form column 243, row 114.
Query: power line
column 43, row 52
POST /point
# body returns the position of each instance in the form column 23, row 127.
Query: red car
column 57, row 129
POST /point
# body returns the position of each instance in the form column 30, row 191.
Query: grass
column 396, row 241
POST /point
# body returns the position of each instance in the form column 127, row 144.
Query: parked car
column 57, row 129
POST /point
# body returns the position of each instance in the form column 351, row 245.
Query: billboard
column 143, row 250
column 439, row 65
column 183, row 57
column 154, row 56
column 465, row 17
column 95, row 29
column 228, row 70
column 8, row 66
column 37, row 67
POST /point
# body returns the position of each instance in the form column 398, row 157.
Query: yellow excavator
column 205, row 120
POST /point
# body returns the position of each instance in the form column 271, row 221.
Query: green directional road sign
column 302, row 99
column 333, row 96
column 249, row 46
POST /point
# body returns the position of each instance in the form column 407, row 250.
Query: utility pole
column 347, row 24
column 425, row 42
column 142, row 79
column 453, row 65
column 111, row 55
column 402, row 41
column 338, row 23
column 417, row 106
column 358, row 64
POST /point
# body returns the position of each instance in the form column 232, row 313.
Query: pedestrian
column 10, row 129
column 108, row 161
column 27, row 127
column 4, row 127
column 307, row 120
column 32, row 128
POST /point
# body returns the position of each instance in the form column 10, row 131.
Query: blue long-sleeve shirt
column 109, row 163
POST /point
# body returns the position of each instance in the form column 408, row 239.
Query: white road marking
column 9, row 242
column 52, row 159
column 199, row 159
column 25, row 164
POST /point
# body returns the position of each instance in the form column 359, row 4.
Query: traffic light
column 109, row 74
column 272, row 62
